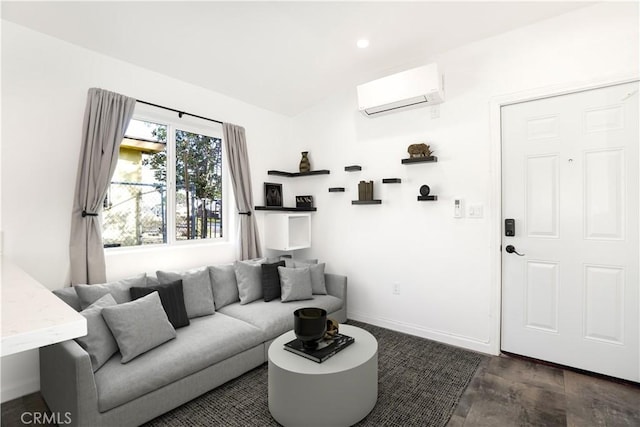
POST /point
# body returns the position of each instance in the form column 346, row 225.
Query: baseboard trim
column 18, row 390
column 420, row 331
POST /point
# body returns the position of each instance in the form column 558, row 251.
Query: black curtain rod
column 180, row 113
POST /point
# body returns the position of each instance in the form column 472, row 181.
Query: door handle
column 511, row 250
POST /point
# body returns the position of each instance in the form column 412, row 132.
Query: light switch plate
column 476, row 211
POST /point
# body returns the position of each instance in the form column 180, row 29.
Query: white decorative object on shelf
column 287, row 231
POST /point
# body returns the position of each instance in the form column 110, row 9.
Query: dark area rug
column 419, row 384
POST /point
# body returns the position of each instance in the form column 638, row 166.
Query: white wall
column 442, row 264
column 44, row 86
column 444, row 267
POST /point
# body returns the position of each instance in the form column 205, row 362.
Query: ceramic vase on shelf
column 305, row 166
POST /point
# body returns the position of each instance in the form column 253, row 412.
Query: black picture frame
column 272, row 194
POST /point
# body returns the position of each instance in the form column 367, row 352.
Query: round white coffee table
column 340, row 391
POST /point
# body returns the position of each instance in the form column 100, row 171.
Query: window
column 167, row 186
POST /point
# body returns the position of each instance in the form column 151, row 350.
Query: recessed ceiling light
column 363, row 43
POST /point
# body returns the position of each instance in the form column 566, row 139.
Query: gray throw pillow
column 318, row 285
column 69, row 296
column 99, row 341
column 119, row 290
column 249, row 278
column 290, row 262
column 224, row 284
column 152, row 281
column 138, row 326
column 295, row 283
column 196, row 285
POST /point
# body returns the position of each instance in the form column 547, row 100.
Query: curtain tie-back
column 85, row 213
column 248, row 213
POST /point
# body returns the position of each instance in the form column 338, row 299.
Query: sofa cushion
column 271, row 280
column 172, row 299
column 119, row 290
column 318, row 285
column 275, row 317
column 249, row 278
column 295, row 283
column 138, row 326
column 207, row 340
column 69, row 296
column 196, row 284
column 99, row 341
column 224, row 284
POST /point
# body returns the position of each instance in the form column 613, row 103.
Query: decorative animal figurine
column 332, row 329
column 419, row 150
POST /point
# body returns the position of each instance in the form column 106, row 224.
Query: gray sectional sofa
column 210, row 351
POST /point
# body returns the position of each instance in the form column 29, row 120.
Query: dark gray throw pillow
column 172, row 299
column 271, row 281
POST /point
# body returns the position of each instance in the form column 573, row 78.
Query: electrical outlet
column 396, row 289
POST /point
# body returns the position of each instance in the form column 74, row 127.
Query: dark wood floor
column 511, row 391
column 21, row 411
column 505, row 391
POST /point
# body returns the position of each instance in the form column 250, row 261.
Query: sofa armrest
column 67, row 382
column 337, row 286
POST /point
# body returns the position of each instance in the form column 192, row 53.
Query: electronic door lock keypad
column 509, row 227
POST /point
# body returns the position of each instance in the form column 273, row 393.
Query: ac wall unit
column 418, row 86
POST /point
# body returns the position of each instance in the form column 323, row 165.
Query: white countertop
column 32, row 316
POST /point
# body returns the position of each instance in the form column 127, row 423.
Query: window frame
column 193, row 125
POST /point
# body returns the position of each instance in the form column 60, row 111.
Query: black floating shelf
column 284, row 209
column 427, row 198
column 296, row 174
column 336, row 190
column 352, row 168
column 419, row 160
column 366, row 202
column 391, row 181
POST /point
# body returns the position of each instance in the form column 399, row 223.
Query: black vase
column 309, row 325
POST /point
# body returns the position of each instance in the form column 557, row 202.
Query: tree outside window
column 136, row 210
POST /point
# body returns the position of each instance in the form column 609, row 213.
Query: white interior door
column 570, row 181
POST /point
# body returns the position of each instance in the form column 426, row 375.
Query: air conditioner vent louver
column 411, row 88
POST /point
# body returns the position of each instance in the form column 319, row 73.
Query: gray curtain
column 238, row 157
column 106, row 118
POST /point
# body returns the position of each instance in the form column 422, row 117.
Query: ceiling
column 281, row 56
